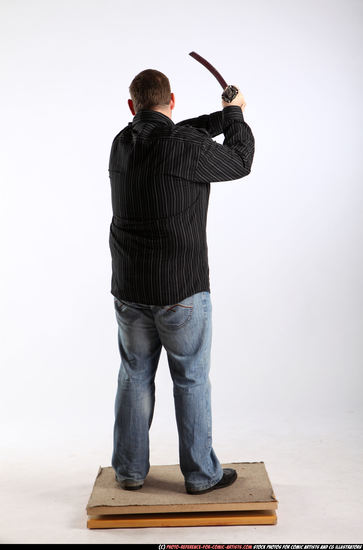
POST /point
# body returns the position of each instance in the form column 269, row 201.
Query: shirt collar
column 149, row 115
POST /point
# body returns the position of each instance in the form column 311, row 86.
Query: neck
column 166, row 112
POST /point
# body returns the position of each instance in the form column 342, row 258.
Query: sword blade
column 210, row 68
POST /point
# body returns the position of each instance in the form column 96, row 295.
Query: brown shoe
column 229, row 476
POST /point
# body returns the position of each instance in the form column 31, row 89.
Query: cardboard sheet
column 164, row 491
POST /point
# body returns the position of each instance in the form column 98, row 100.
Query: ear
column 131, row 105
column 172, row 101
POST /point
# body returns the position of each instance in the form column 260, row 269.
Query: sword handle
column 229, row 93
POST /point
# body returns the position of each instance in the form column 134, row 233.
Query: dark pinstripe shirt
column 160, row 174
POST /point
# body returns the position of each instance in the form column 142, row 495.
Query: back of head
column 150, row 89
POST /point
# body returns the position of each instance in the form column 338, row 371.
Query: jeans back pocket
column 177, row 315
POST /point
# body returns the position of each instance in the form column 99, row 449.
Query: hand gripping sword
column 229, row 92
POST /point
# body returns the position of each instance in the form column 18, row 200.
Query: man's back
column 160, row 175
column 160, row 178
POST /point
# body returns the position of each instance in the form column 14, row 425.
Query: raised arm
column 233, row 159
column 212, row 123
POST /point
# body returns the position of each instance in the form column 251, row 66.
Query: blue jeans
column 185, row 331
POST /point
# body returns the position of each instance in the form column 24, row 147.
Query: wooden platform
column 163, row 501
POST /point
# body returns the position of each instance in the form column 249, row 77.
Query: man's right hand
column 238, row 100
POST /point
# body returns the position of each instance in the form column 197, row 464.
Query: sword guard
column 229, row 93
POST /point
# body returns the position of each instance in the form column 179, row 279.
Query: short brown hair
column 150, row 88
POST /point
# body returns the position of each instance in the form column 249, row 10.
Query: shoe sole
column 124, row 485
column 214, row 487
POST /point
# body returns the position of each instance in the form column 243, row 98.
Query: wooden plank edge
column 247, row 517
column 171, row 508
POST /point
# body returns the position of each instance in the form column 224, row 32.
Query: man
column 160, row 174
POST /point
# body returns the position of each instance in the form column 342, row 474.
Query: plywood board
column 192, row 519
column 164, row 493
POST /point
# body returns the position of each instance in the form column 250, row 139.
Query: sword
column 229, row 92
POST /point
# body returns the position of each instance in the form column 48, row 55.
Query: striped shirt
column 160, row 174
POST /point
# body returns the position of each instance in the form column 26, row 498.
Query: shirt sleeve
column 213, row 123
column 233, row 159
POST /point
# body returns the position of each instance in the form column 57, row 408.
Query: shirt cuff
column 232, row 112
